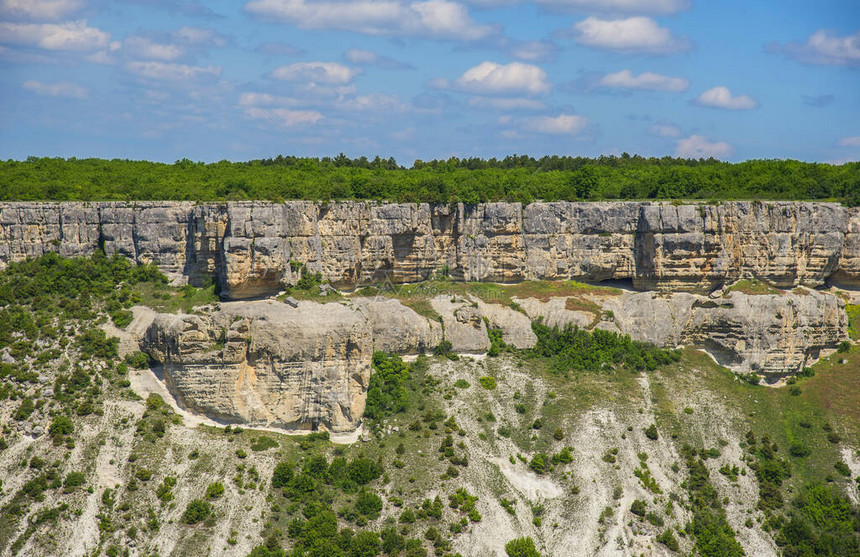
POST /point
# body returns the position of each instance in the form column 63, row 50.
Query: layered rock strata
column 248, row 246
column 256, row 363
column 308, row 367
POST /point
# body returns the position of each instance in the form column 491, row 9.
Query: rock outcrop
column 306, row 367
column 266, row 363
column 397, row 329
column 263, row 363
column 248, row 246
column 772, row 334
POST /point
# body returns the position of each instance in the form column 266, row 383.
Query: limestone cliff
column 263, row 363
column 247, row 246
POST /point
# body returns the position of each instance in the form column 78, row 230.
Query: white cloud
column 634, row 34
column 570, row 124
column 172, row 46
column 199, row 36
column 721, row 97
column 823, row 47
column 849, row 142
column 648, row 81
column 363, row 57
column 72, row 36
column 286, row 117
column 699, row 147
column 439, row 19
column 141, row 47
column 532, row 51
column 374, row 102
column 316, row 72
column 265, row 99
column 517, row 103
column 489, row 78
column 40, row 10
column 161, row 71
column 664, row 130
column 360, row 56
column 58, row 89
column 620, row 6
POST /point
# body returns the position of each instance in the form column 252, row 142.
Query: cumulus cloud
column 849, row 142
column 172, row 46
column 265, row 99
column 619, row 6
column 648, row 81
column 39, row 10
column 161, row 71
column 199, row 36
column 567, row 124
column 142, row 47
column 440, row 19
column 70, row 36
column 665, row 130
column 700, row 147
column 489, row 78
column 516, row 103
column 361, row 57
column 57, row 89
column 330, row 73
column 374, row 102
column 633, row 35
column 823, row 47
column 721, row 97
column 286, row 117
column 531, row 51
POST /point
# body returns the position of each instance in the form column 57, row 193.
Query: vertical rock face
column 248, row 246
column 264, row 363
column 764, row 333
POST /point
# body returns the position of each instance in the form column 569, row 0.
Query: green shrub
column 74, row 479
column 462, row 384
column 61, row 426
column 842, row 468
column 638, row 507
column 488, row 382
column 572, row 348
column 538, row 463
column 165, row 490
column 668, row 539
column 282, row 475
column 821, row 522
column 651, row 432
column 368, row 503
column 363, row 470
column 387, row 392
column 24, row 410
column 137, row 360
column 798, row 449
column 521, row 547
column 263, row 443
column 215, row 490
column 196, row 511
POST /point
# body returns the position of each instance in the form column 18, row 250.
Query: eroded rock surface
column 248, row 246
column 765, row 333
column 265, row 363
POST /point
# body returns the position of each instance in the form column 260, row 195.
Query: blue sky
column 168, row 79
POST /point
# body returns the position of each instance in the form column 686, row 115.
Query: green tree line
column 473, row 180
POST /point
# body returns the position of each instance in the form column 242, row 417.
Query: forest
column 472, row 180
